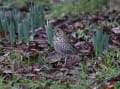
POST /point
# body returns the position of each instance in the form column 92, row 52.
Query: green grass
column 108, row 68
column 57, row 8
column 81, row 34
column 74, row 8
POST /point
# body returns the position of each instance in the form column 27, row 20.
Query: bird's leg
column 65, row 61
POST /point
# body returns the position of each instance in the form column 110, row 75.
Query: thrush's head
column 58, row 32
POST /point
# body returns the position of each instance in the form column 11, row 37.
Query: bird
column 62, row 44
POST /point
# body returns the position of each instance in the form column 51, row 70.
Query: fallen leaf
column 116, row 30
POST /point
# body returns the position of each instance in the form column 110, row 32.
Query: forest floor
column 28, row 66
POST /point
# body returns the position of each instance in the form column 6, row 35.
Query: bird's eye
column 58, row 31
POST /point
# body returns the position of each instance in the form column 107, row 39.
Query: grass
column 59, row 7
column 108, row 68
column 74, row 8
column 81, row 34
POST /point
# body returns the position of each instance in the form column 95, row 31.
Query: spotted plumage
column 62, row 44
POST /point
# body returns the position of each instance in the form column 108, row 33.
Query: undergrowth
column 108, row 68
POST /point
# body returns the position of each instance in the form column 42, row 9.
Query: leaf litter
column 37, row 59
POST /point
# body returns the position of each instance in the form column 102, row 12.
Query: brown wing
column 68, row 48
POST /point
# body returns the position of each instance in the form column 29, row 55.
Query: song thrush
column 62, row 44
